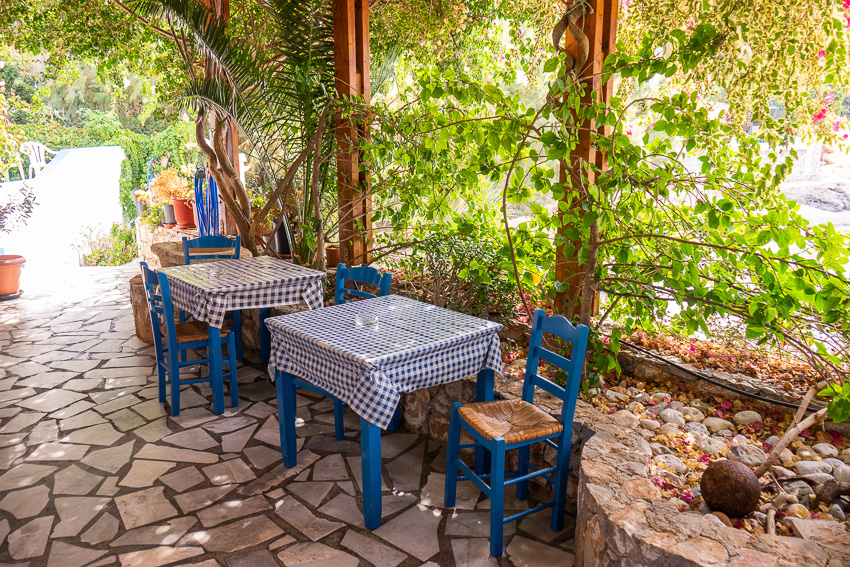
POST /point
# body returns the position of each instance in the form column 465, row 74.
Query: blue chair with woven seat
column 172, row 338
column 217, row 248
column 502, row 425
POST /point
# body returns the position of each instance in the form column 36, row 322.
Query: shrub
column 115, row 248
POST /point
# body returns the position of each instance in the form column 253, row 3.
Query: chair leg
column 231, row 355
column 237, row 330
column 162, row 376
column 339, row 424
column 562, row 475
column 452, row 455
column 174, row 370
column 522, row 469
column 497, row 497
column 265, row 337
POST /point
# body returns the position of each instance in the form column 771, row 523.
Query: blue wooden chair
column 172, row 338
column 502, row 425
column 360, row 274
column 217, row 242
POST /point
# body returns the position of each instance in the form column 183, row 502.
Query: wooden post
column 600, row 27
column 351, row 71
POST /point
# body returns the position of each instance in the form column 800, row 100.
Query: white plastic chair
column 37, row 153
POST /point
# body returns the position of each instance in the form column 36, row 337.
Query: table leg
column 370, row 452
column 216, row 372
column 484, row 393
column 285, row 388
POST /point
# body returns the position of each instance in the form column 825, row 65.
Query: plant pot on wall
column 10, row 274
column 183, row 213
column 332, row 255
column 168, row 216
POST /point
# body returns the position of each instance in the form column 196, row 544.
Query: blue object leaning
column 492, row 428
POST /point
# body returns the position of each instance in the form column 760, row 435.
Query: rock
column 746, row 417
column 708, row 444
column 671, row 430
column 692, row 414
column 632, row 391
column 825, row 450
column 748, row 454
column 845, row 456
column 616, row 396
column 660, row 397
column 668, row 476
column 730, row 487
column 836, row 512
column 676, row 405
column 786, row 457
column 660, row 449
column 724, row 434
column 800, row 489
column 672, row 416
column 650, row 424
column 716, row 424
column 701, row 406
column 772, row 441
column 738, row 439
column 761, row 517
column 833, row 462
column 642, row 398
column 694, row 427
column 819, row 478
column 842, row 474
column 812, row 467
column 633, row 407
column 672, row 462
column 625, row 412
column 799, row 511
column 780, row 472
column 806, row 453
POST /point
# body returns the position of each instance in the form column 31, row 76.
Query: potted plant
column 12, row 213
column 167, row 187
column 141, row 200
column 183, row 209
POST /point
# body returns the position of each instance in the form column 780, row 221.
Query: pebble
column 780, row 472
column 773, row 441
column 723, row 434
column 672, row 416
column 799, row 510
column 805, row 468
column 708, row 444
column 668, row 476
column 701, row 406
column 786, row 457
column 616, row 396
column 696, row 491
column 800, row 489
column 676, row 405
column 825, row 450
column 593, row 392
column 692, row 414
column 650, row 424
column 738, row 439
column 837, row 513
column 842, row 474
column 632, row 391
column 806, row 453
column 671, row 430
column 674, row 463
column 716, row 424
column 633, row 406
column 845, row 456
column 724, row 519
column 833, row 462
column 625, row 412
column 642, row 398
column 746, row 417
column 761, row 517
column 694, row 427
column 660, row 397
column 748, row 454
column 819, row 478
column 660, row 449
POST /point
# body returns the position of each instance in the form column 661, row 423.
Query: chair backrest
column 362, row 274
column 212, row 242
column 560, row 327
column 159, row 303
column 36, row 152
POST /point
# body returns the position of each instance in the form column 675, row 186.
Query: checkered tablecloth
column 413, row 345
column 208, row 291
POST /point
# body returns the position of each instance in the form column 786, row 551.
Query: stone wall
column 147, row 238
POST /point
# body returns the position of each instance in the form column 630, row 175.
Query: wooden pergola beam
column 351, row 73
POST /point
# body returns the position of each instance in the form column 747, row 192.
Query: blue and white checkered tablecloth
column 413, row 345
column 208, row 291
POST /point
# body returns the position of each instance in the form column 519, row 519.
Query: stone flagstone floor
column 93, row 470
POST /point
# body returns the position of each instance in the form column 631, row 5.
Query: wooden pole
column 600, row 26
column 351, row 71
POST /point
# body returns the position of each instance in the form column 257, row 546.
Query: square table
column 209, row 290
column 413, row 345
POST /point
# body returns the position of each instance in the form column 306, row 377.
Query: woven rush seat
column 513, row 420
column 192, row 331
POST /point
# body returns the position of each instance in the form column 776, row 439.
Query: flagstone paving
column 94, row 471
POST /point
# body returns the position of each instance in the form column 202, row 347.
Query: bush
column 116, row 248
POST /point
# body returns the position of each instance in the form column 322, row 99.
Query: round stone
column 799, row 510
column 695, row 427
column 672, row 416
column 806, row 453
column 786, row 457
column 708, row 444
column 800, row 489
column 671, row 430
column 642, row 398
column 842, row 474
column 632, row 391
column 746, row 417
column 660, row 397
column 747, row 454
column 692, row 414
column 836, row 512
column 701, row 406
column 616, row 396
column 672, row 462
column 730, row 487
column 773, row 440
column 780, row 472
column 724, row 434
column 625, row 412
column 738, row 439
column 676, row 405
column 819, row 478
column 825, row 450
column 650, row 424
column 660, row 449
column 716, row 424
column 845, row 456
column 812, row 467
column 833, row 462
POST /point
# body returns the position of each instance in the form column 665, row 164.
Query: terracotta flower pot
column 10, row 274
column 332, row 254
column 183, row 213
